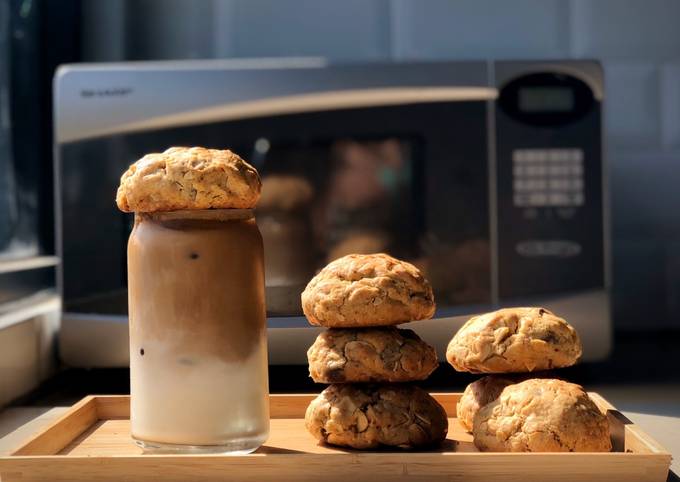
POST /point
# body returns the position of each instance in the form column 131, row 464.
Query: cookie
column 542, row 415
column 514, row 340
column 478, row 394
column 487, row 389
column 367, row 290
column 188, row 178
column 369, row 416
column 370, row 355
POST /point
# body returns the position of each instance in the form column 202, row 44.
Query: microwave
column 487, row 175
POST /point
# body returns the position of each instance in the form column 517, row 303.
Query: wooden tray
column 91, row 442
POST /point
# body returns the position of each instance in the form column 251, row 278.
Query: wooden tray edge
column 376, row 467
column 47, row 443
column 55, row 436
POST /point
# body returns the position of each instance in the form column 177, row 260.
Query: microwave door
column 408, row 179
column 401, row 170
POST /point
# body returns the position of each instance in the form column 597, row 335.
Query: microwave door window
column 324, row 201
column 407, row 180
column 369, row 201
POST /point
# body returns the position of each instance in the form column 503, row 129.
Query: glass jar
column 198, row 350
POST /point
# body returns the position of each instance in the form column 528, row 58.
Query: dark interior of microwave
column 407, row 180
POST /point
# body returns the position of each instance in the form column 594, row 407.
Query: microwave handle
column 296, row 104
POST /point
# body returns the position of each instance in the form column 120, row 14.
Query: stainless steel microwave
column 488, row 175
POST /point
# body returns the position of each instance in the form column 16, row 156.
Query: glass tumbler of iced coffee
column 198, row 352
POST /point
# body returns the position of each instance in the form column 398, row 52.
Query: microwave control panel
column 547, row 178
column 550, row 194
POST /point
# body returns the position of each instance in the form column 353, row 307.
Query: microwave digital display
column 546, row 99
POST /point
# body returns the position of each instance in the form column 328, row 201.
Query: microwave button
column 557, row 155
column 539, row 184
column 576, row 184
column 559, row 199
column 561, row 184
column 519, row 156
column 537, row 170
column 521, row 200
column 532, row 155
column 521, row 185
column 534, row 248
column 530, row 184
column 538, row 199
column 542, row 155
column 520, row 170
column 567, row 155
column 559, row 170
column 576, row 155
column 576, row 169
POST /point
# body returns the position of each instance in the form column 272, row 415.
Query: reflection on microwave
column 458, row 271
column 355, row 196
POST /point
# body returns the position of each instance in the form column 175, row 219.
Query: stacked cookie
column 514, row 411
column 367, row 360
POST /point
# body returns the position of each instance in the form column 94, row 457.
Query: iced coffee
column 198, row 353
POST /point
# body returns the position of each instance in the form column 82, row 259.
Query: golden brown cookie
column 370, row 355
column 542, row 415
column 514, row 340
column 367, row 290
column 188, row 178
column 476, row 395
column 368, row 416
column 487, row 389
